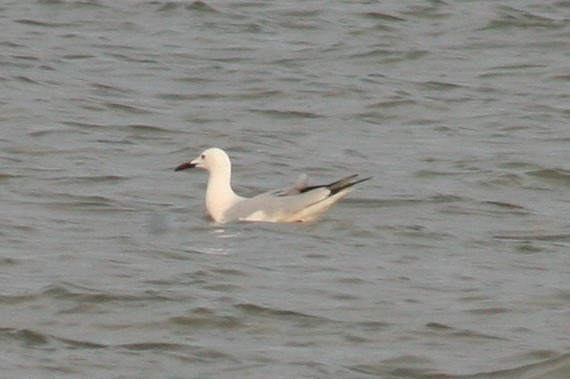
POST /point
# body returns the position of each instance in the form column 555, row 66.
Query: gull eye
column 203, row 156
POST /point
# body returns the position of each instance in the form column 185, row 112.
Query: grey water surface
column 454, row 261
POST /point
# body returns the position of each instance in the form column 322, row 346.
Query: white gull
column 300, row 203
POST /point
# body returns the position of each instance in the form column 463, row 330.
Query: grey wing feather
column 298, row 187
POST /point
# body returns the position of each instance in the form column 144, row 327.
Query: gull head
column 208, row 160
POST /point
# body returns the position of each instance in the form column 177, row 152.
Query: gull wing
column 299, row 203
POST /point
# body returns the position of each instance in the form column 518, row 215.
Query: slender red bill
column 185, row 166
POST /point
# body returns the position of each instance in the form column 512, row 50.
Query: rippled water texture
column 452, row 262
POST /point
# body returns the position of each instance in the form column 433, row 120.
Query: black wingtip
column 362, row 180
column 339, row 185
column 345, row 183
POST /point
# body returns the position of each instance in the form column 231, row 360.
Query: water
column 452, row 262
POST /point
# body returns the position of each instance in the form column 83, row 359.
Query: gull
column 299, row 203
